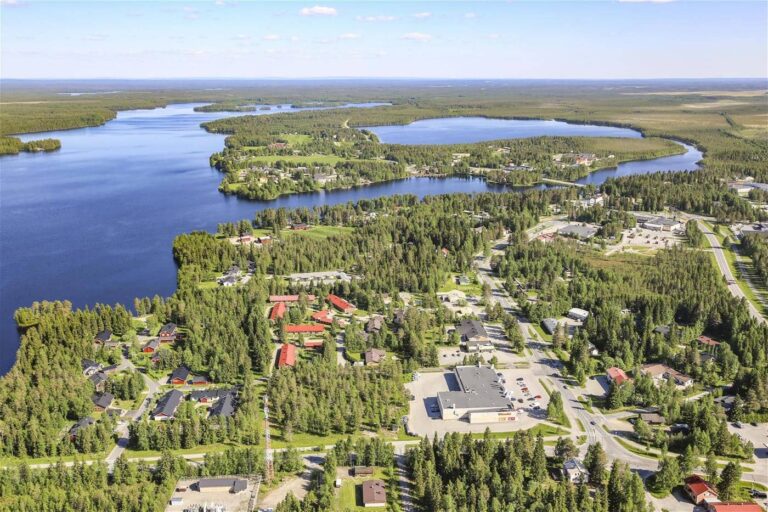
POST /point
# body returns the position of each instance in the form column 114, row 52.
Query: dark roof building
column 102, row 400
column 151, row 346
column 549, row 325
column 90, row 367
column 209, row 395
column 474, row 336
column 224, row 407
column 375, row 323
column 77, row 427
column 179, row 375
column 103, row 336
column 167, row 405
column 233, row 485
column 374, row 493
column 98, row 379
column 374, row 356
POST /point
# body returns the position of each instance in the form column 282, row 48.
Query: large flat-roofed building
column 482, row 398
column 233, row 485
column 663, row 224
column 580, row 231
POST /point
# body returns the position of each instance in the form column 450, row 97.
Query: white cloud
column 271, row 37
column 417, row 36
column 191, row 13
column 11, row 3
column 470, row 15
column 422, row 15
column 318, row 10
column 494, row 36
column 376, row 18
column 350, row 35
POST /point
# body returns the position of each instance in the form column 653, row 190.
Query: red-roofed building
column 617, row 375
column 324, row 317
column 304, row 329
column 278, row 311
column 699, row 489
column 706, row 340
column 313, row 344
column 735, row 507
column 287, row 356
column 289, row 298
column 340, row 304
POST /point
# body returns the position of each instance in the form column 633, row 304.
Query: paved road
column 544, row 367
column 725, row 269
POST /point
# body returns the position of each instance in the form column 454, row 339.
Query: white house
column 578, row 314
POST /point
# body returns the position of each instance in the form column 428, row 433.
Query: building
column 205, row 396
column 300, row 226
column 304, row 329
column 663, row 224
column 362, row 471
column 706, row 340
column 103, row 337
column 659, row 372
column 473, row 336
column 374, row 493
column 289, row 298
column 313, row 344
column 77, row 427
column 231, row 485
column 374, row 356
column 575, row 471
column 199, row 380
column 549, row 325
column 578, row 314
column 90, row 367
column 699, row 489
column 167, row 333
column 225, row 407
column 287, row 356
column 99, row 380
column 323, row 317
column 340, row 304
column 151, row 346
column 375, row 324
column 229, row 281
column 167, row 405
column 102, row 401
column 278, row 312
column 734, row 507
column 179, row 376
column 652, row 418
column 580, row 231
column 616, row 375
column 482, row 399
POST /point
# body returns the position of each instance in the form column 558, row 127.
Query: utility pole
column 267, row 443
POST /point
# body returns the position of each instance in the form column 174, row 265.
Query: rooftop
column 168, row 404
column 480, row 389
column 374, row 492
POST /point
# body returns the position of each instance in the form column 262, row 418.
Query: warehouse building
column 482, row 399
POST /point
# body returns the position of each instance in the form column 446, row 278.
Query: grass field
column 314, row 232
column 349, row 496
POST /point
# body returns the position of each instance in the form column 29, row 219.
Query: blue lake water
column 95, row 221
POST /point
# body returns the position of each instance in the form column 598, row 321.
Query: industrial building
column 482, row 399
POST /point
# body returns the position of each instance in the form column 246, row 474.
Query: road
column 595, row 424
column 725, row 269
column 122, row 425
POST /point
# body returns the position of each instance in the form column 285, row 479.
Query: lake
column 95, row 221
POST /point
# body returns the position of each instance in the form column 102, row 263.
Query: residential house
column 168, row 333
column 278, row 312
column 287, row 356
column 340, row 304
column 199, row 380
column 228, row 281
column 99, row 381
column 575, row 471
column 578, row 314
column 375, row 323
column 304, row 329
column 77, row 427
column 374, row 356
column 699, row 489
column 324, row 317
column 179, row 376
column 102, row 337
column 90, row 367
column 102, row 401
column 205, row 396
column 617, row 375
column 652, row 418
column 659, row 372
column 167, row 405
column 473, row 336
column 151, row 346
column 549, row 325
column 225, row 407
column 374, row 494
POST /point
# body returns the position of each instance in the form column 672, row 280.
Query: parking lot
column 424, row 413
column 640, row 240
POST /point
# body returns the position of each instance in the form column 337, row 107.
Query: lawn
column 469, row 289
column 315, row 232
column 350, row 494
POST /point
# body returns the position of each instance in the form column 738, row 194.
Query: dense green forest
column 461, row 473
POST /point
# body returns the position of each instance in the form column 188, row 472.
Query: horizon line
column 297, row 78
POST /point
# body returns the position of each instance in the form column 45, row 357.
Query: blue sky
column 511, row 39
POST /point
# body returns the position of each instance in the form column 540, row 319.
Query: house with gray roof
column 225, row 407
column 549, row 325
column 167, row 405
column 575, row 471
column 473, row 336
